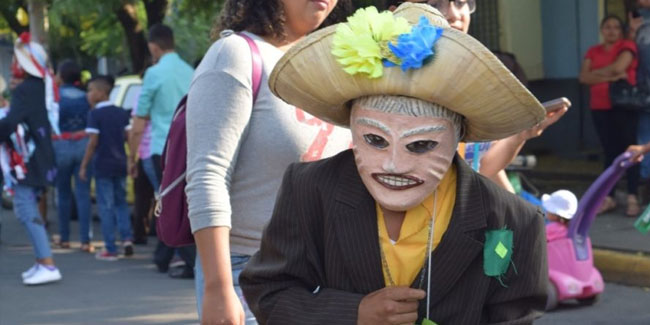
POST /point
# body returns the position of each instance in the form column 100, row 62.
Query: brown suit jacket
column 320, row 252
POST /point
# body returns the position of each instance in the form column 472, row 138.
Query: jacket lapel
column 462, row 242
column 356, row 228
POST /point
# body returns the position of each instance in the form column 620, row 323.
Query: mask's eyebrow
column 423, row 130
column 373, row 123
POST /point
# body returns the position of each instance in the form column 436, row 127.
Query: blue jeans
column 151, row 173
column 237, row 262
column 26, row 210
column 112, row 206
column 69, row 154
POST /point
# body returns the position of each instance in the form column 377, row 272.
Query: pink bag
column 172, row 223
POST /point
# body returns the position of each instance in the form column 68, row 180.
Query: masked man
column 399, row 230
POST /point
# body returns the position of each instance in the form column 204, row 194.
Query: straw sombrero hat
column 463, row 76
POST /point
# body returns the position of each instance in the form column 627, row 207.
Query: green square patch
column 497, row 252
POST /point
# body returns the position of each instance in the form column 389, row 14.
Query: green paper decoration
column 427, row 321
column 497, row 252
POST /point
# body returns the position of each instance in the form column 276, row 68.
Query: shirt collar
column 103, row 104
column 167, row 56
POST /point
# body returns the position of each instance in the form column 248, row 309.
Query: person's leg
column 149, row 167
column 64, row 165
column 82, row 194
column 188, row 255
column 122, row 209
column 629, row 127
column 26, row 210
column 199, row 283
column 643, row 136
column 162, row 256
column 142, row 205
column 627, row 124
column 603, row 124
column 105, row 206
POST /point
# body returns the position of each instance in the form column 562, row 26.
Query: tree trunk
column 156, row 11
column 37, row 21
column 135, row 36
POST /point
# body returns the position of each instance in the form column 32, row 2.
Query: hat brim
column 24, row 60
column 464, row 76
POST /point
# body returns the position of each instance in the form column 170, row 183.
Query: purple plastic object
column 172, row 223
column 571, row 270
column 591, row 201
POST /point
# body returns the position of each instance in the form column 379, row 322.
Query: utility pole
column 37, row 13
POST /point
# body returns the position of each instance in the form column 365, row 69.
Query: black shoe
column 181, row 272
column 128, row 250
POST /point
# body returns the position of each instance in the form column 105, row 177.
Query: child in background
column 560, row 207
column 107, row 127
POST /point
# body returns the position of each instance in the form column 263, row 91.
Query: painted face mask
column 401, row 159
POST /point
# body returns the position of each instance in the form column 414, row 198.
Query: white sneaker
column 43, row 275
column 30, row 271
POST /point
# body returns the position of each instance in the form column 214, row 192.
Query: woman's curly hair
column 266, row 18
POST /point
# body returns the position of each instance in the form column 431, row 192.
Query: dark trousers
column 617, row 129
column 163, row 253
column 143, row 204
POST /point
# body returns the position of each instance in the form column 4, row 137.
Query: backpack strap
column 257, row 64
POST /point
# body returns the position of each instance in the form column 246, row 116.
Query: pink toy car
column 572, row 274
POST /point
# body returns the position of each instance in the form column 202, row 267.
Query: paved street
column 618, row 305
column 130, row 291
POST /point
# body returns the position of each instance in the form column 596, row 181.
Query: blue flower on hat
column 414, row 48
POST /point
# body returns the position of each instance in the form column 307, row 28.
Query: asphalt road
column 130, row 291
column 617, row 305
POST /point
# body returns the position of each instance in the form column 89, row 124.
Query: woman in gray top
column 238, row 149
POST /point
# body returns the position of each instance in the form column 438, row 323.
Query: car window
column 131, row 97
column 113, row 96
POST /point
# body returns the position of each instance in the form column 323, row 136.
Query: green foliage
column 192, row 21
column 85, row 29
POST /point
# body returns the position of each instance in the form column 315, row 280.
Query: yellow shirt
column 405, row 257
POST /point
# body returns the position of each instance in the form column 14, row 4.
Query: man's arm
column 90, row 151
column 134, row 138
column 502, row 152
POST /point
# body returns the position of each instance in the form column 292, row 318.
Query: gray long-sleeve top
column 237, row 152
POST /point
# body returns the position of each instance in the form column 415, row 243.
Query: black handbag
column 625, row 96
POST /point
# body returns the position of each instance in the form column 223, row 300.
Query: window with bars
column 485, row 24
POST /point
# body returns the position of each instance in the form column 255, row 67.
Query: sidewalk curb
column 623, row 267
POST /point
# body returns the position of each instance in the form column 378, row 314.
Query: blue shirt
column 73, row 109
column 163, row 87
column 109, row 122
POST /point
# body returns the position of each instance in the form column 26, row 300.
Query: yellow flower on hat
column 360, row 44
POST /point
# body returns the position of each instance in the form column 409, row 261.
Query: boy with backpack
column 107, row 129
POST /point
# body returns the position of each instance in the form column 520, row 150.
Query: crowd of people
column 59, row 131
column 264, row 211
